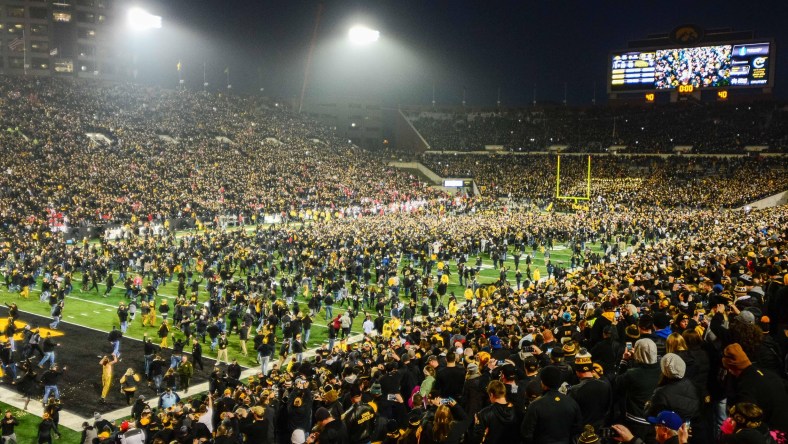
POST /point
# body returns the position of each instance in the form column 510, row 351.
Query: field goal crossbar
column 576, row 199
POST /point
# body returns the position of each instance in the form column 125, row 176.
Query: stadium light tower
column 140, row 20
column 361, row 35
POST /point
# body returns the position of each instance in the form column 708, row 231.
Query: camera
column 607, row 433
column 391, row 397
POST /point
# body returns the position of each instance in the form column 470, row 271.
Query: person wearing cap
column 567, row 331
column 669, row 428
column 100, row 423
column 330, row 429
column 473, row 395
column 554, row 417
column 589, row 436
column 593, row 394
column 329, row 399
column 680, row 323
column 674, row 392
column 638, row 376
column 256, row 430
column 761, row 387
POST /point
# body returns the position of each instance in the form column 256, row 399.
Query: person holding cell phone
column 638, row 376
column 447, row 426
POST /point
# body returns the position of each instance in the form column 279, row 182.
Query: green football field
column 91, row 310
column 27, row 430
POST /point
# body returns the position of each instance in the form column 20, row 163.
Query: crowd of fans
column 700, row 67
column 697, row 182
column 673, row 328
column 715, row 128
column 232, row 155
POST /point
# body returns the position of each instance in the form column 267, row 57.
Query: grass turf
column 27, row 430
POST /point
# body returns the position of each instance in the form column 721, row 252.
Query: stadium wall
column 432, row 176
column 407, row 137
column 436, row 180
column 771, row 201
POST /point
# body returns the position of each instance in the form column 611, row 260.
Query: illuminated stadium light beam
column 361, row 35
column 139, row 19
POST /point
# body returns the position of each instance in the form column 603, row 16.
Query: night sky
column 478, row 46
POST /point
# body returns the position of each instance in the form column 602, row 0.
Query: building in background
column 69, row 38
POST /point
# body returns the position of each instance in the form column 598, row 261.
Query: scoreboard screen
column 700, row 67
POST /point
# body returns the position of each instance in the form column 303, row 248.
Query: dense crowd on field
column 669, row 324
column 708, row 128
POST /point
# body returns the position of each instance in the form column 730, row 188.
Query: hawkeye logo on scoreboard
column 20, row 330
column 687, row 34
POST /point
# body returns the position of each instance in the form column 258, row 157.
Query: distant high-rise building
column 70, row 38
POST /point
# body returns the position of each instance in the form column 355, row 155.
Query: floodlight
column 140, row 19
column 361, row 35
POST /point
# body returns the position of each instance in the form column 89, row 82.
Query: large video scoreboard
column 732, row 65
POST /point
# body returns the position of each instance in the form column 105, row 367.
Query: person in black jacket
column 257, row 430
column 674, row 392
column 593, row 394
column 496, row 422
column 451, row 378
column 197, row 354
column 45, row 429
column 553, row 417
column 49, row 380
column 756, row 386
column 8, row 423
column 359, row 419
column 299, row 411
column 331, row 430
column 638, row 376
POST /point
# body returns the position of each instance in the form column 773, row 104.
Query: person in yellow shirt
column 164, row 333
column 452, row 306
column 387, row 331
column 106, row 375
column 469, row 296
column 152, row 314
